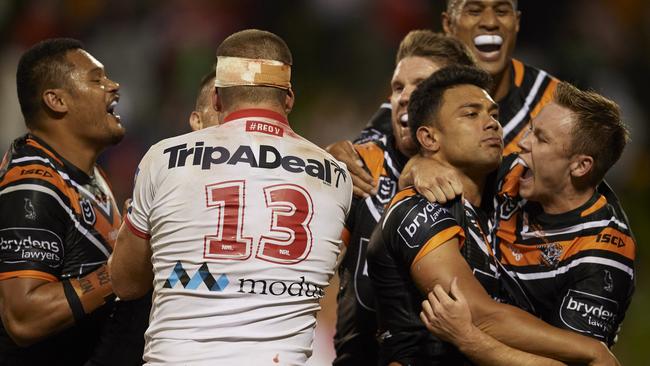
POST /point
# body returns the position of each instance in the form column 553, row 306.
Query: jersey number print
column 288, row 240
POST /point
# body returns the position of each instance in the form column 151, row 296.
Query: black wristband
column 73, row 300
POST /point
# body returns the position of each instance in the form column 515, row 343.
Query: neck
column 567, row 201
column 239, row 106
column 472, row 187
column 74, row 151
column 502, row 83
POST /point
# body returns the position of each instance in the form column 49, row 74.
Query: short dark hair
column 427, row 97
column 42, row 67
column 207, row 83
column 452, row 4
column 257, row 44
column 598, row 130
column 437, row 47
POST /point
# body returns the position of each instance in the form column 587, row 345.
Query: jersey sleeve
column 32, row 233
column 137, row 218
column 378, row 126
column 594, row 303
column 415, row 227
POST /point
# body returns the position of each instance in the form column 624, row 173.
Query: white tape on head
column 239, row 71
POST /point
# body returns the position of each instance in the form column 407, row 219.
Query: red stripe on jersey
column 256, row 112
column 137, row 232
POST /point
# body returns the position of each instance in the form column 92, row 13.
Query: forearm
column 32, row 311
column 521, row 330
column 484, row 350
column 43, row 311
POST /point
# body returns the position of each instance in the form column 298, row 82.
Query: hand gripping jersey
column 356, row 326
column 244, row 221
column 529, row 91
column 56, row 223
column 410, row 229
column 574, row 270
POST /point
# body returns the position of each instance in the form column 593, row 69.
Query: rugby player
column 59, row 217
column 204, row 115
column 420, row 53
column 237, row 226
column 418, row 244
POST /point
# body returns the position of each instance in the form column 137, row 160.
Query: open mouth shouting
column 488, row 46
column 527, row 174
column 404, row 120
column 110, row 109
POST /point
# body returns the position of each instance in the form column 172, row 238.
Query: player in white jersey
column 236, row 225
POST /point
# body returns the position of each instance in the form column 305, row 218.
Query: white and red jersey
column 244, row 222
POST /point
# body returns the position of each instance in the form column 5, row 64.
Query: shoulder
column 372, row 155
column 30, row 166
column 410, row 212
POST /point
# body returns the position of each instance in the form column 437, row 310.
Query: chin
column 495, row 67
column 117, row 137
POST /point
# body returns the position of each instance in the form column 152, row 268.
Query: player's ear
column 581, row 166
column 289, row 100
column 54, row 100
column 445, row 19
column 195, row 121
column 428, row 138
column 517, row 20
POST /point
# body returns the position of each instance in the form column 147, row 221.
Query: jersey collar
column 256, row 112
column 75, row 173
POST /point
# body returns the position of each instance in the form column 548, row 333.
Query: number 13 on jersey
column 289, row 213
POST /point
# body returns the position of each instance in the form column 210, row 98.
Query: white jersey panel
column 245, row 221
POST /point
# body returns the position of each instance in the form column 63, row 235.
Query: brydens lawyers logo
column 246, row 285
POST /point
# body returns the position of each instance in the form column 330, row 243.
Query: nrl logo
column 508, row 208
column 386, row 189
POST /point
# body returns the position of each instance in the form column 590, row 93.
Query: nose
column 489, row 19
column 492, row 124
column 111, row 85
column 524, row 142
column 406, row 95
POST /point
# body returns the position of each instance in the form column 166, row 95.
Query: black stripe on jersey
column 64, row 198
column 527, row 84
column 594, row 253
column 546, row 235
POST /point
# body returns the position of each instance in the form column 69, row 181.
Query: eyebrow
column 492, row 106
column 95, row 69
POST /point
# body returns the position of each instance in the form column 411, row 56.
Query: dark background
column 343, row 60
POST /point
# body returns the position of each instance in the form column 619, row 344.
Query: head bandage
column 239, row 71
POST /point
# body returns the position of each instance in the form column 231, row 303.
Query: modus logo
column 203, row 275
column 256, row 286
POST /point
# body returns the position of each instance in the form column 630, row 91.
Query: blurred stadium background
column 344, row 56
